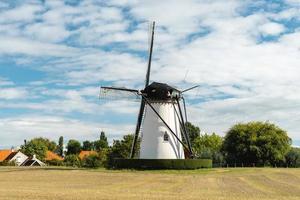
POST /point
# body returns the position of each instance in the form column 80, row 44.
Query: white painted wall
column 153, row 145
column 19, row 158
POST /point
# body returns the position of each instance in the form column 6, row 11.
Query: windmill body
column 157, row 142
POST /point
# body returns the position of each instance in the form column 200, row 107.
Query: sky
column 54, row 56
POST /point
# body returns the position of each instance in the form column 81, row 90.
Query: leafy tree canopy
column 193, row 132
column 256, row 142
column 38, row 147
column 74, row 147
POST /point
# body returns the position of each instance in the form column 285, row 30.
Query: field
column 63, row 183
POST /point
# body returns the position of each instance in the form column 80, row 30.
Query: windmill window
column 166, row 137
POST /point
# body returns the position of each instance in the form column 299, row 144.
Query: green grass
column 216, row 184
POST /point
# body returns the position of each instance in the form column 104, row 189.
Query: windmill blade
column 142, row 107
column 191, row 88
column 115, row 93
column 150, row 55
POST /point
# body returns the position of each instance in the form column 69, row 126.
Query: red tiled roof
column 84, row 154
column 52, row 156
column 4, row 154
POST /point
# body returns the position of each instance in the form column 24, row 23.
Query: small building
column 84, row 154
column 33, row 161
column 4, row 154
column 53, row 156
column 18, row 157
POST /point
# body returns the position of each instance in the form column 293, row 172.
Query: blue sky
column 54, row 55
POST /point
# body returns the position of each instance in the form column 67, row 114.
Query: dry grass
column 223, row 184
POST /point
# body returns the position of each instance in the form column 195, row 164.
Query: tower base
column 161, row 163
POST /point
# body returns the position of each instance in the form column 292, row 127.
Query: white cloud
column 272, row 29
column 13, row 93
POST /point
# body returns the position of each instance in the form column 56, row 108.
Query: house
column 33, row 161
column 17, row 156
column 52, row 156
column 84, row 154
column 4, row 154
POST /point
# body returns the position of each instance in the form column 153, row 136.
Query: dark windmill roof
column 160, row 91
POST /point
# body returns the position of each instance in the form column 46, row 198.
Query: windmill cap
column 160, row 91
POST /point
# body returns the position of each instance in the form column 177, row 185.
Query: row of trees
column 245, row 144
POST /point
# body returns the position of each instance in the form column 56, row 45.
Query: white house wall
column 19, row 158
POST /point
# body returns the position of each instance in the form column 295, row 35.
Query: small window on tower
column 166, row 137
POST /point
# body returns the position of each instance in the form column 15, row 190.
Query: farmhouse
column 17, row 156
column 52, row 156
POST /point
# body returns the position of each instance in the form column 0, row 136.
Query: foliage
column 92, row 161
column 60, row 147
column 72, row 160
column 7, row 163
column 55, row 162
column 38, row 147
column 121, row 149
column 193, row 132
column 74, row 147
column 256, row 142
column 293, row 157
column 209, row 146
column 102, row 143
column 87, row 145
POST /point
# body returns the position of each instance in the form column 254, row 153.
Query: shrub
column 92, row 161
column 55, row 162
column 72, row 161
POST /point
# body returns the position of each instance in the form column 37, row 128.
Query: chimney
column 25, row 142
column 34, row 157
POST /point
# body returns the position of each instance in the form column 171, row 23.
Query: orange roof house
column 4, row 154
column 84, row 154
column 52, row 156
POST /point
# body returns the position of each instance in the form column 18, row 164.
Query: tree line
column 244, row 144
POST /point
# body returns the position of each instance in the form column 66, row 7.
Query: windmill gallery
column 162, row 115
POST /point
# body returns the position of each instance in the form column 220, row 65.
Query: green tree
column 102, row 143
column 193, row 132
column 36, row 147
column 256, row 142
column 60, row 147
column 293, row 157
column 122, row 148
column 209, row 146
column 87, row 145
column 74, row 147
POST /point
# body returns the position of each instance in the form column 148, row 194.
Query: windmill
column 162, row 117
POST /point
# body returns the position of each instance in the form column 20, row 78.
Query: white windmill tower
column 164, row 135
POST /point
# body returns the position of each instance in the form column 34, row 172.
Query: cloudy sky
column 54, row 55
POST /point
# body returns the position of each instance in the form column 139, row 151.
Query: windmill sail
column 113, row 93
column 142, row 107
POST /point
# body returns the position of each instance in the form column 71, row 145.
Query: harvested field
column 215, row 184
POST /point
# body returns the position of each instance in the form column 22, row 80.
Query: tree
column 209, row 146
column 293, row 157
column 102, row 143
column 92, row 161
column 36, row 147
column 87, row 145
column 122, row 148
column 60, row 147
column 256, row 142
column 193, row 132
column 74, row 147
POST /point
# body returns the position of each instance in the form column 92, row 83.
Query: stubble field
column 225, row 184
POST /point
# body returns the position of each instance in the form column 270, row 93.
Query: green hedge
column 161, row 163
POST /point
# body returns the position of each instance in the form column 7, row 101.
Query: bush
column 6, row 163
column 72, row 161
column 55, row 162
column 92, row 161
column 161, row 163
